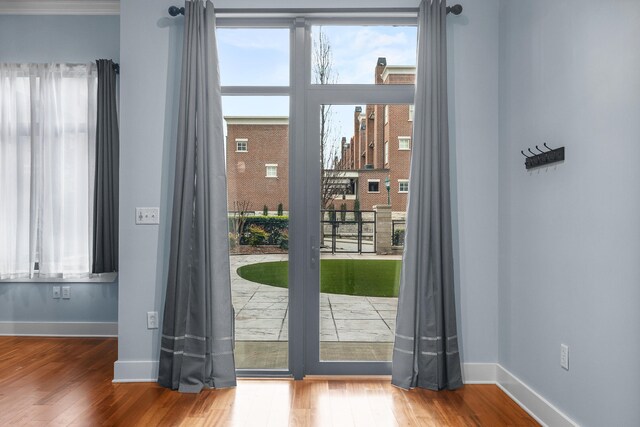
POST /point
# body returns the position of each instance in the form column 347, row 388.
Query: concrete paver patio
column 262, row 310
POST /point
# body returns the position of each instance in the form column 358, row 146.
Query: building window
column 386, row 152
column 46, row 202
column 404, row 143
column 272, row 170
column 403, row 186
column 373, row 185
column 386, row 114
column 411, row 112
column 241, row 145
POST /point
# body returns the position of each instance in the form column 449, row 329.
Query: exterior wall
column 246, row 171
column 369, row 200
column 371, row 142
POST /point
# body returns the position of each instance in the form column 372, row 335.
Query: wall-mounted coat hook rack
column 553, row 155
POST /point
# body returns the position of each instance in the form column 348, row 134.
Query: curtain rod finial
column 456, row 9
column 175, row 11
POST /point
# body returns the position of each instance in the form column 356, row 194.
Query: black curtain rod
column 175, row 10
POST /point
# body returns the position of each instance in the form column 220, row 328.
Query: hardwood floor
column 67, row 381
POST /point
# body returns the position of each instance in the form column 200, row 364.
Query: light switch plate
column 66, row 292
column 147, row 216
column 56, row 292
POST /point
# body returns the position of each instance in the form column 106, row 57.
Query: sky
column 260, row 57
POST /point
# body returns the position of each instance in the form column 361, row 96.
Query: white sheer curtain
column 47, row 150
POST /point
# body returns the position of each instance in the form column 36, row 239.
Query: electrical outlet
column 146, row 216
column 152, row 320
column 66, row 292
column 564, row 356
column 56, row 292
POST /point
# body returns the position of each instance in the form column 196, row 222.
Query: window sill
column 94, row 278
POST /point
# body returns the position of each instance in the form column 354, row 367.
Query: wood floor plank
column 67, row 382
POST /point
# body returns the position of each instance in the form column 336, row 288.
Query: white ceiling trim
column 59, row 7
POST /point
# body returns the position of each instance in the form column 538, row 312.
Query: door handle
column 313, row 260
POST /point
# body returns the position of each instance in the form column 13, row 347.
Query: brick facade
column 363, row 154
column 365, row 151
column 267, row 141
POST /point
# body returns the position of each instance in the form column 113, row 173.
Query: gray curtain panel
column 105, row 200
column 197, row 332
column 426, row 344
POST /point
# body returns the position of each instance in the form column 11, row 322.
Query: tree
column 333, row 183
column 240, row 211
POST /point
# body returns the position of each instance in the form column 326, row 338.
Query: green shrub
column 280, row 209
column 343, row 212
column 282, row 239
column 331, row 212
column 356, row 208
column 273, row 225
column 257, row 235
column 265, row 210
column 398, row 238
column 233, row 241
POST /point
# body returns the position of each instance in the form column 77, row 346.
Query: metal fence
column 348, row 231
column 397, row 232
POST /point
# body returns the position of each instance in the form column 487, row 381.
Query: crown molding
column 59, row 7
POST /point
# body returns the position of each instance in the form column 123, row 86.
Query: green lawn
column 374, row 278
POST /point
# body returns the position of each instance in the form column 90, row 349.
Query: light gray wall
column 473, row 121
column 34, row 38
column 570, row 233
column 150, row 59
column 42, row 39
column 33, row 302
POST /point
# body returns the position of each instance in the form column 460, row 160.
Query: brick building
column 258, row 162
column 380, row 148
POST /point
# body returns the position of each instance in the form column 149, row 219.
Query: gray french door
column 347, row 330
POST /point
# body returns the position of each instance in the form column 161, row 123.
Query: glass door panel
column 257, row 146
column 365, row 154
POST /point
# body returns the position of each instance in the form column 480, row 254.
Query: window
column 355, row 45
column 272, row 171
column 253, row 56
column 373, row 185
column 411, row 112
column 386, row 152
column 404, row 143
column 241, row 145
column 47, row 177
column 403, row 186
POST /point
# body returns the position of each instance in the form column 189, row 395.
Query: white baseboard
column 479, row 373
column 537, row 406
column 136, row 371
column 59, row 329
